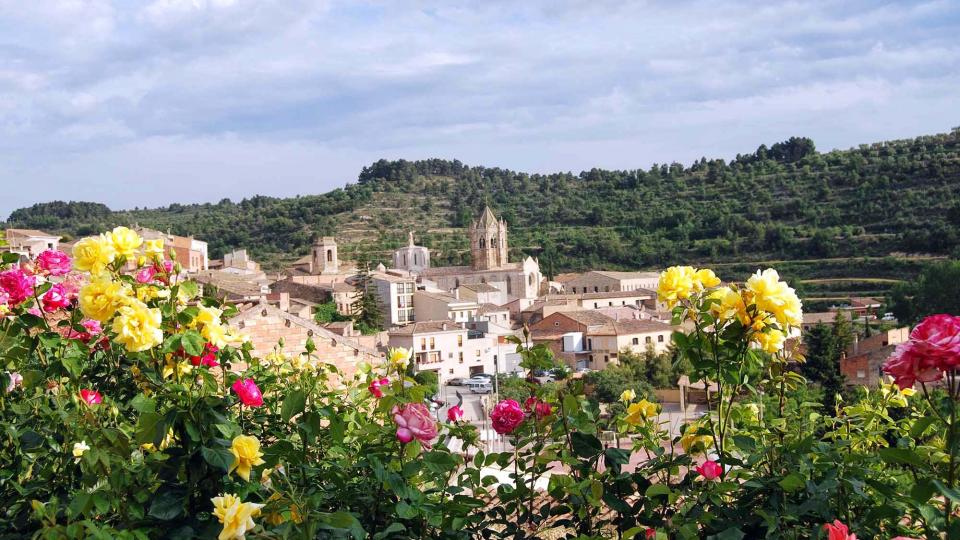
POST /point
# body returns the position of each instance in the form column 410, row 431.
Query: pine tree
column 366, row 309
column 824, row 350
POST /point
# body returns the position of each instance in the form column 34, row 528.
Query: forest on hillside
column 787, row 201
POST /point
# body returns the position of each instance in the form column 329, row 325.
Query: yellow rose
column 138, row 327
column 399, row 357
column 730, row 306
column 101, row 298
column 246, row 455
column 705, row 279
column 676, row 283
column 173, row 366
column 125, row 241
column 236, row 517
column 153, row 248
column 776, row 297
column 693, row 443
column 628, row 395
column 93, row 254
column 80, row 448
column 640, row 412
column 770, row 341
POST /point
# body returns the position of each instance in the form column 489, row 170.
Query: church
column 489, row 251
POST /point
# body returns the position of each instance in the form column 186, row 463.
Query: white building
column 411, row 257
column 395, row 295
column 598, row 281
column 447, row 348
column 30, row 242
column 437, row 306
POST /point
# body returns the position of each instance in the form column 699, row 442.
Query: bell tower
column 488, row 242
column 325, row 259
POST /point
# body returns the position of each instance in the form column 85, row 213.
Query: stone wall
column 266, row 325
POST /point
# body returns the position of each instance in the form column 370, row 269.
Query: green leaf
column 80, row 504
column 921, row 425
column 192, row 342
column 900, row 456
column 168, row 505
column 952, row 493
column 792, row 482
column 30, row 440
column 150, row 428
column 143, row 404
column 585, row 445
column 744, row 442
column 733, row 533
column 220, row 458
column 656, row 490
column 293, row 405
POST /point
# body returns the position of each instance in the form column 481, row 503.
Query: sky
column 143, row 104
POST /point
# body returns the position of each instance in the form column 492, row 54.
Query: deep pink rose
column 17, row 284
column 53, row 262
column 455, row 413
column 208, row 358
column 168, row 266
column 35, row 312
column 92, row 326
column 538, row 407
column 91, row 397
column 248, row 392
column 146, row 275
column 55, row 298
column 710, row 470
column 414, row 422
column 507, row 416
column 934, row 347
column 375, row 387
column 838, row 531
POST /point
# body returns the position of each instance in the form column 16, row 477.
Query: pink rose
column 146, row 275
column 507, row 416
column 92, row 326
column 168, row 266
column 414, row 422
column 650, row 533
column 55, row 298
column 17, row 284
column 16, row 380
column 710, row 470
column 248, row 392
column 376, row 385
column 208, row 358
column 91, row 397
column 539, row 408
column 35, row 312
column 838, row 531
column 55, row 263
column 455, row 414
column 934, row 347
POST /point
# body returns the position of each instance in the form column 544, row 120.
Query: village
column 456, row 320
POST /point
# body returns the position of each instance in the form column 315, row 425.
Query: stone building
column 266, row 325
column 324, row 258
column 599, row 281
column 489, row 250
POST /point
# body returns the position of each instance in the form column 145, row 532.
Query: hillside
column 845, row 220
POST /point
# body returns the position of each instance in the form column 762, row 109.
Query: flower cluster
column 932, row 350
column 414, row 422
column 765, row 307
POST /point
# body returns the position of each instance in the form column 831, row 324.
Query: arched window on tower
column 329, row 255
column 493, row 241
column 483, row 242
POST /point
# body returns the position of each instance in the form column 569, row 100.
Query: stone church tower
column 488, row 242
column 324, row 259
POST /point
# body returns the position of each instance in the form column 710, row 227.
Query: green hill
column 843, row 219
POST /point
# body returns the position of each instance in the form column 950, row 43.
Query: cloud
column 214, row 98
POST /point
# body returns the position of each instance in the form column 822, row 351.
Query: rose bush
column 131, row 410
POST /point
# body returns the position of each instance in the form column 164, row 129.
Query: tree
column 327, row 313
column 936, row 290
column 825, row 347
column 367, row 316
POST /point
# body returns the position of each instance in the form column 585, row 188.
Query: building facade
column 599, row 281
column 446, row 348
column 395, row 296
column 412, row 258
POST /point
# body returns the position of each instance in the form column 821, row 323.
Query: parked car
column 456, row 381
column 487, row 376
column 477, row 380
column 480, row 387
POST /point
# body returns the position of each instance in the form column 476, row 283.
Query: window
column 461, row 357
column 590, row 345
column 556, row 323
column 590, row 359
column 459, row 340
column 606, row 359
column 450, row 371
column 329, row 255
column 660, row 338
column 606, row 288
column 648, row 339
column 861, row 374
column 423, row 344
column 596, row 289
column 433, row 344
column 596, row 305
column 636, row 341
column 609, row 304
column 478, row 353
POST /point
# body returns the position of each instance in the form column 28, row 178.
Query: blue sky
column 148, row 103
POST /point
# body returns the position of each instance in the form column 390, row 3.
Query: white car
column 479, row 387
